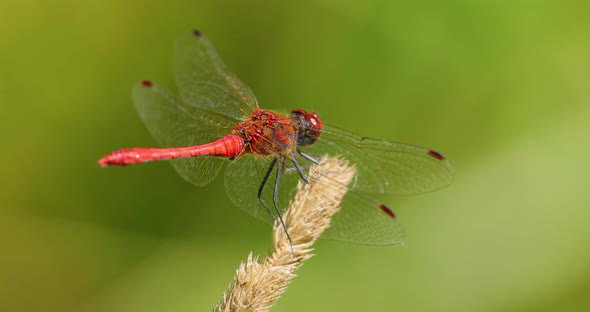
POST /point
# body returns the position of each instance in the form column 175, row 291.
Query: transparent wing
column 385, row 167
column 173, row 123
column 362, row 221
column 212, row 101
column 243, row 178
column 204, row 81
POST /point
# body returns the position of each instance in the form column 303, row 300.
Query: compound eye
column 314, row 121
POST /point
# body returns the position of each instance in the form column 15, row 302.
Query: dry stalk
column 257, row 286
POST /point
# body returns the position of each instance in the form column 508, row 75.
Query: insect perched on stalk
column 215, row 119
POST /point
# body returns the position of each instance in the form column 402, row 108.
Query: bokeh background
column 500, row 87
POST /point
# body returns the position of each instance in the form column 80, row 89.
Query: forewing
column 205, row 82
column 173, row 123
column 385, row 167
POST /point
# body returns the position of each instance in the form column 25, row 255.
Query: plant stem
column 257, row 286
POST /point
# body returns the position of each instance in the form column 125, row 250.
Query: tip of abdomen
column 117, row 158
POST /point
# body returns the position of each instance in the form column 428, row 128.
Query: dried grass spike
column 257, row 286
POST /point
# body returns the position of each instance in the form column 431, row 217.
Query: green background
column 500, row 87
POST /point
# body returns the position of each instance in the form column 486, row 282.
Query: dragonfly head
column 309, row 126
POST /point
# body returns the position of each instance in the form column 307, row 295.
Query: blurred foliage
column 500, row 87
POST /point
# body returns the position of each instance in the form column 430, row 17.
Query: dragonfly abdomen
column 228, row 146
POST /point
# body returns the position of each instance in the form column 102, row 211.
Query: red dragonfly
column 216, row 114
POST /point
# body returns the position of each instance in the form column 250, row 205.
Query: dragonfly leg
column 308, row 157
column 300, row 170
column 261, row 188
column 275, row 200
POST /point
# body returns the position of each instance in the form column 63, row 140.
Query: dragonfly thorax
column 267, row 133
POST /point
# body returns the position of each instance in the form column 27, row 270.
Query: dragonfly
column 214, row 120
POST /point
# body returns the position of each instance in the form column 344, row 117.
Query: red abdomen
column 228, row 146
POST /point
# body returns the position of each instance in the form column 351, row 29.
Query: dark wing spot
column 388, row 211
column 436, row 155
column 197, row 33
column 147, row 83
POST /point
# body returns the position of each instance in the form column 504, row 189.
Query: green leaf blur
column 499, row 87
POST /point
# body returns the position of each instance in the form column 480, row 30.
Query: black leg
column 300, row 170
column 313, row 160
column 275, row 200
column 261, row 189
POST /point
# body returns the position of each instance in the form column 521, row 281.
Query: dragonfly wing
column 205, row 82
column 173, row 123
column 243, row 179
column 385, row 167
column 363, row 220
